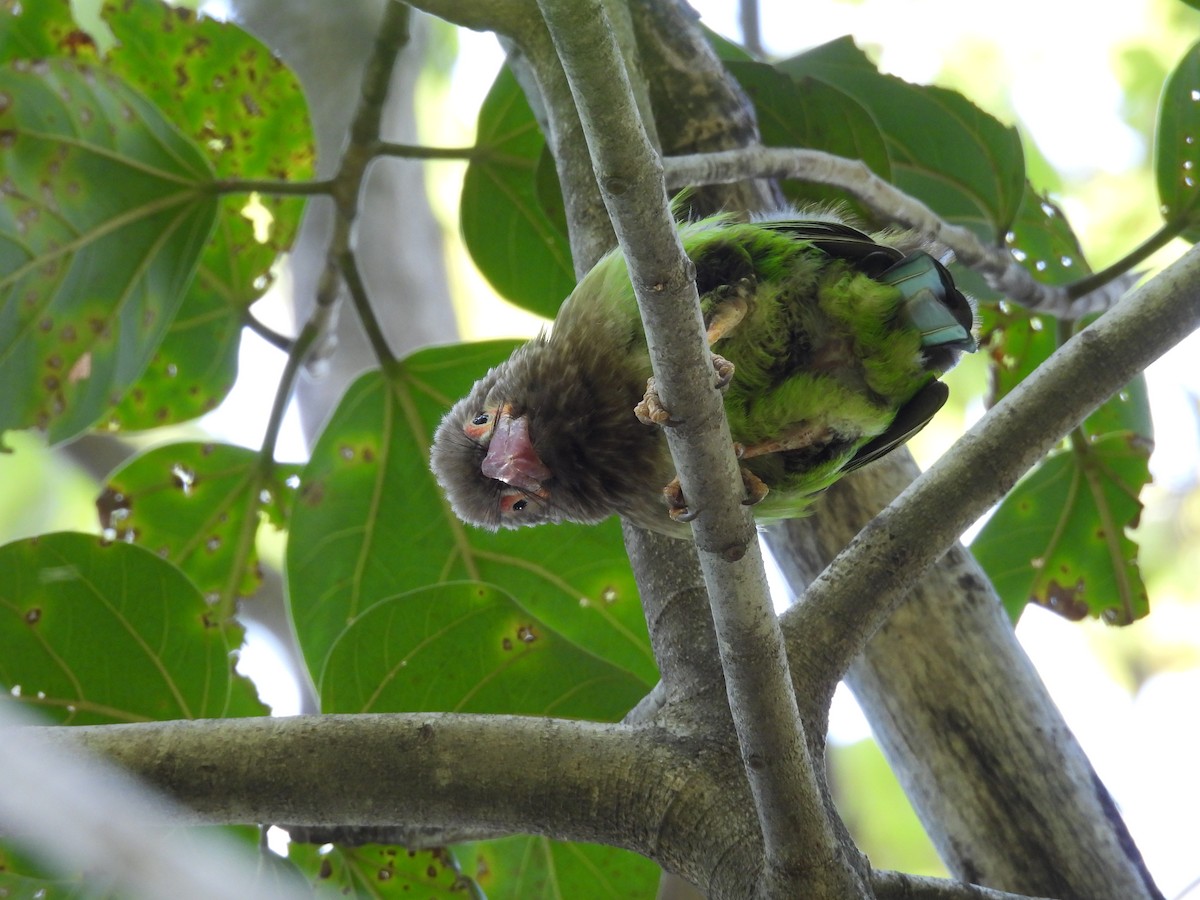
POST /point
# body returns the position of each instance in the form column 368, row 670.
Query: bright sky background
column 1146, row 746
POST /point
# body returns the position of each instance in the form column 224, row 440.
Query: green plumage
column 835, row 362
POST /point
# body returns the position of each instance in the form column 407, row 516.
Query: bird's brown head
column 514, row 451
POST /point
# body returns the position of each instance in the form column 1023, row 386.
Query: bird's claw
column 679, row 511
column 756, row 489
column 677, row 507
column 724, row 371
column 650, row 410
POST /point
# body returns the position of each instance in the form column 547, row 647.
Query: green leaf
column 806, row 112
column 726, row 50
column 247, row 113
column 1059, row 539
column 246, row 110
column 468, row 647
column 1177, row 146
column 522, row 867
column 370, row 522
column 195, row 366
column 514, row 243
column 375, row 870
column 196, row 504
column 959, row 160
column 93, row 632
column 38, row 30
column 93, row 275
column 1018, row 341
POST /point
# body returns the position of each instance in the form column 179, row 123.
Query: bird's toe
column 677, row 507
column 724, row 371
column 650, row 410
column 756, row 488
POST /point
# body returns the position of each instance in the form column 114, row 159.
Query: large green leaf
column 1060, row 540
column 246, row 110
column 94, row 632
column 196, row 504
column 105, row 210
column 1028, row 546
column 1177, row 146
column 247, row 114
column 468, row 647
column 519, row 868
column 1018, row 341
column 806, row 112
column 370, row 522
column 962, row 162
column 511, row 238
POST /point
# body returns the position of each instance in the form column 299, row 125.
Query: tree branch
column 899, row 886
column 801, row 846
column 80, row 813
column 1001, row 785
column 644, row 789
column 996, row 264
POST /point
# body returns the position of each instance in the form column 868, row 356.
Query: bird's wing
column 911, row 418
column 856, row 247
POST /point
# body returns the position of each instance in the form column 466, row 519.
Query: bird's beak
column 511, row 457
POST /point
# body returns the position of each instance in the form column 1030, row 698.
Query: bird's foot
column 724, row 371
column 677, row 506
column 650, row 410
column 730, row 303
column 756, row 488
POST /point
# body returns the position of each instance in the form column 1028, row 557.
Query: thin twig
column 901, row 886
column 995, row 263
column 268, row 334
column 417, row 151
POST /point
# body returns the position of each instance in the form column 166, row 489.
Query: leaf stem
column 270, row 335
column 272, row 186
column 348, row 265
column 416, row 151
column 1155, row 242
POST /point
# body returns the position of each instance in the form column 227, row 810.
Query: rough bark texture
column 1000, row 783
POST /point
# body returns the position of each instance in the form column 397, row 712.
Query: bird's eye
column 522, row 506
column 481, row 426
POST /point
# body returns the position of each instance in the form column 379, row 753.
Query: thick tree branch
column 645, row 789
column 802, row 847
column 1000, row 783
column 81, row 813
column 996, row 264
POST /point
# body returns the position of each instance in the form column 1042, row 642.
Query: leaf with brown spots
column 196, row 504
column 93, row 632
column 374, row 870
column 103, row 215
column 517, row 868
column 468, row 647
column 1060, row 538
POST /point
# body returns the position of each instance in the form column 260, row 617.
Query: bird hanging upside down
column 827, row 344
